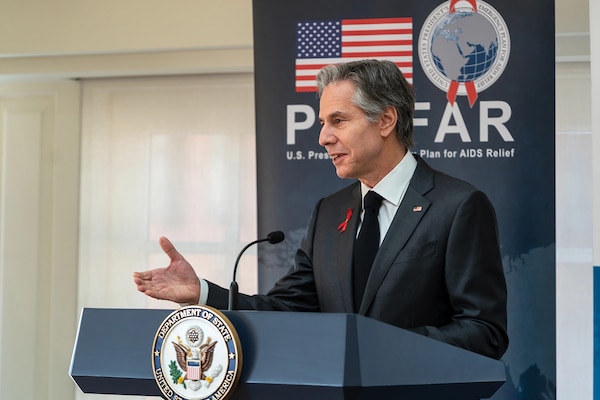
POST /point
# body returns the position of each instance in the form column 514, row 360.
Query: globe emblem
column 464, row 46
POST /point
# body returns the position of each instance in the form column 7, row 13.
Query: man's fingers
column 169, row 249
column 139, row 277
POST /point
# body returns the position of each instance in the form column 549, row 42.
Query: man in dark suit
column 437, row 270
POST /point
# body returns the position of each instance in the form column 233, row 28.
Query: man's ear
column 388, row 121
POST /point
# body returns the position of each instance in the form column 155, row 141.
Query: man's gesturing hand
column 176, row 282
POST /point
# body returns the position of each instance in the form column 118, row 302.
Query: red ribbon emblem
column 473, row 4
column 469, row 86
column 342, row 227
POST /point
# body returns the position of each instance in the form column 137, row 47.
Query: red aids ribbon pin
column 342, row 227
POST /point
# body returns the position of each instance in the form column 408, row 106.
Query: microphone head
column 275, row 237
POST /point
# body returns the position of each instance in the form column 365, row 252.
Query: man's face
column 354, row 144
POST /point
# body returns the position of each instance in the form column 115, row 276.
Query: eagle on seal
column 204, row 354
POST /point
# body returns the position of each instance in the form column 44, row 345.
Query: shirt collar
column 393, row 186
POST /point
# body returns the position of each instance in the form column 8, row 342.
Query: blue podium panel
column 292, row 356
column 113, row 351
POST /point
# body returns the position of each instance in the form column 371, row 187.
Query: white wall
column 72, row 38
column 595, row 104
column 39, row 193
column 113, row 26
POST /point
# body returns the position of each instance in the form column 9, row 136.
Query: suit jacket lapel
column 344, row 259
column 412, row 209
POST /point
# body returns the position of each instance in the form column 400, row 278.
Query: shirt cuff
column 203, row 295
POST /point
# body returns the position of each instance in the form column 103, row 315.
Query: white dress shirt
column 392, row 188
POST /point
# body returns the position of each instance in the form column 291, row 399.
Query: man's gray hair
column 379, row 84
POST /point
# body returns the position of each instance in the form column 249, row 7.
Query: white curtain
column 168, row 157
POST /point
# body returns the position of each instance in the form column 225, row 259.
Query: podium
column 290, row 355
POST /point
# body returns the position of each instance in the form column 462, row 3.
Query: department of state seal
column 196, row 355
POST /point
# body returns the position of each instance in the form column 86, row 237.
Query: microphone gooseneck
column 273, row 238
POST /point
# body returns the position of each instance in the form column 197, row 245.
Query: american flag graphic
column 320, row 43
column 193, row 370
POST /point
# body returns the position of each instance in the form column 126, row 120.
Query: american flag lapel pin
column 417, row 208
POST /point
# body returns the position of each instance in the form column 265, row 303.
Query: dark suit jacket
column 438, row 271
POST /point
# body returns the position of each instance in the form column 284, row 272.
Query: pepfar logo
column 464, row 47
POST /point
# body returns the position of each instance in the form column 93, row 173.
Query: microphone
column 273, row 238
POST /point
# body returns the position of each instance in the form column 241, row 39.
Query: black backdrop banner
column 483, row 74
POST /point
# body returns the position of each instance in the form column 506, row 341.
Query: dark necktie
column 366, row 245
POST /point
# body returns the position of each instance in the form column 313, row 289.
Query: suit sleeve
column 295, row 291
column 475, row 281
